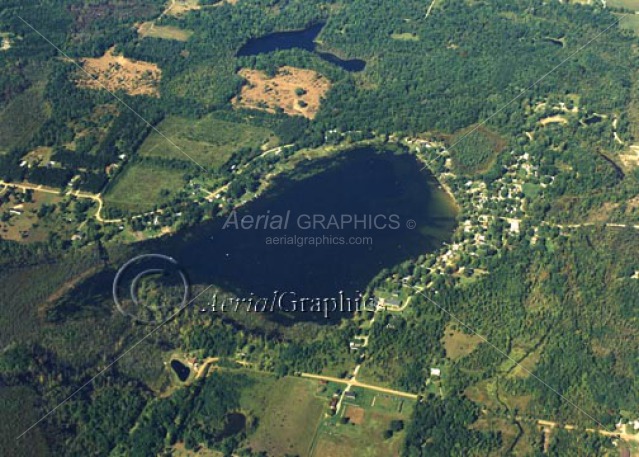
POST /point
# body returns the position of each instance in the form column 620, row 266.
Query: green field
column 142, row 186
column 370, row 414
column 209, row 141
column 628, row 4
column 630, row 22
column 22, row 118
column 288, row 411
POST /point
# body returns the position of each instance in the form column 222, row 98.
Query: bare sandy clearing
column 295, row 91
column 355, row 414
column 630, row 159
column 180, row 7
column 553, row 120
column 111, row 72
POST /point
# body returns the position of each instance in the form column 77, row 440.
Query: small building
column 350, row 395
column 435, row 372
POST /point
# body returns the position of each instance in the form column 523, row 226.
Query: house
column 435, row 372
column 350, row 395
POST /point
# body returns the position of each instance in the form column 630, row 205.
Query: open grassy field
column 459, row 344
column 630, row 22
column 288, row 411
column 167, row 32
column 209, row 141
column 369, row 415
column 22, row 118
column 629, row 4
column 141, row 186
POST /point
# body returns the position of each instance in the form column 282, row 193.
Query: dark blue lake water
column 301, row 39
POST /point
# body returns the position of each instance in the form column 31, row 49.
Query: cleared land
column 553, row 120
column 112, row 72
column 142, row 186
column 630, row 22
column 27, row 226
column 180, row 7
column 209, row 141
column 629, row 4
column 405, row 36
column 295, row 91
column 370, row 414
column 459, row 344
column 167, row 32
column 630, row 158
column 289, row 412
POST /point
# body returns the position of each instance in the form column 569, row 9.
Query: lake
column 181, row 370
column 300, row 39
column 347, row 218
column 365, row 183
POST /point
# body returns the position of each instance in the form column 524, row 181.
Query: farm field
column 209, row 141
column 369, row 416
column 142, row 186
column 289, row 412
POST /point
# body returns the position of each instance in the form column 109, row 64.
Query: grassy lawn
column 142, row 186
column 288, row 410
column 209, row 141
column 370, row 414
